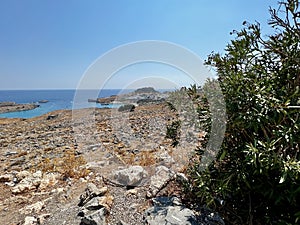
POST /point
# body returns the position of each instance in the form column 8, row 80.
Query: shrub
column 187, row 104
column 173, row 132
column 255, row 179
column 127, row 108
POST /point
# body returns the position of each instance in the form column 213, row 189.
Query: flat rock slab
column 169, row 211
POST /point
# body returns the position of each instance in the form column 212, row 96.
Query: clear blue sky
column 48, row 44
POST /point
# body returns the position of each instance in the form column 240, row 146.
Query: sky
column 52, row 44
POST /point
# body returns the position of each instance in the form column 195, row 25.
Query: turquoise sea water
column 58, row 99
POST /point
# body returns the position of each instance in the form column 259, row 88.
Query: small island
column 43, row 101
column 6, row 107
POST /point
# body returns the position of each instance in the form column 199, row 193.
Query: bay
column 57, row 99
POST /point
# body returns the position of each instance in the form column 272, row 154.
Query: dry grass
column 144, row 158
column 69, row 165
column 147, row 158
column 108, row 202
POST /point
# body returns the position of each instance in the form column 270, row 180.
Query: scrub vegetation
column 255, row 178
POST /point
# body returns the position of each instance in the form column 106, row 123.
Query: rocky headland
column 146, row 95
column 95, row 166
column 6, row 107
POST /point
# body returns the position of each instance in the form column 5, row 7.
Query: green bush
column 173, row 132
column 255, row 179
column 187, row 104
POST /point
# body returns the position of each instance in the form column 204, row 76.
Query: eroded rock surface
column 131, row 177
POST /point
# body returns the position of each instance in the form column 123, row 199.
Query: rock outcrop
column 169, row 211
column 94, row 205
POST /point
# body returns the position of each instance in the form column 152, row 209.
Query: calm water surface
column 58, row 99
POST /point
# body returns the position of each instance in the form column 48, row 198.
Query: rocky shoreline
column 95, row 166
column 6, row 107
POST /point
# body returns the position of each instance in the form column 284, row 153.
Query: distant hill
column 145, row 95
column 145, row 90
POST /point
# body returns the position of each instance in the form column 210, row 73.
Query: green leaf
column 223, row 155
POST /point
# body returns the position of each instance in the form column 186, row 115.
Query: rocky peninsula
column 6, row 107
column 144, row 95
column 95, row 166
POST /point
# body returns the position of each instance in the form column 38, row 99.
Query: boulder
column 90, row 192
column 94, row 205
column 131, row 177
column 166, row 212
column 159, row 180
column 170, row 215
column 95, row 218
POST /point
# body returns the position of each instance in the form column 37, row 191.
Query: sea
column 57, row 99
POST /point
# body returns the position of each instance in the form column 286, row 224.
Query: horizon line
column 71, row 89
